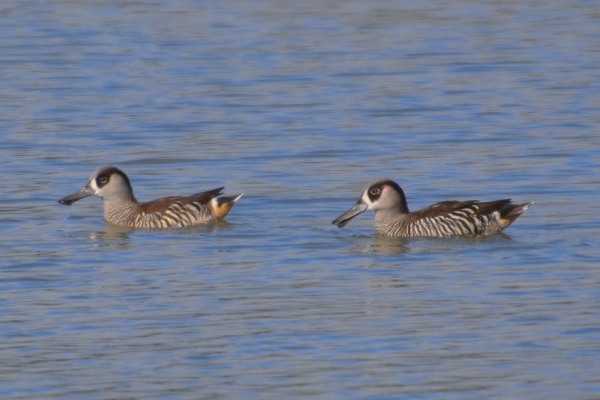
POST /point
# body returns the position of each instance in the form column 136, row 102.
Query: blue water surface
column 299, row 105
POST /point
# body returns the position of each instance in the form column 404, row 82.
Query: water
column 299, row 106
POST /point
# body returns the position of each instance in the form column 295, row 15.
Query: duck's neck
column 121, row 210
column 387, row 221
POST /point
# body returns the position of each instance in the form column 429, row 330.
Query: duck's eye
column 375, row 191
column 103, row 179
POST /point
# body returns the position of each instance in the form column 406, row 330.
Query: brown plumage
column 121, row 207
column 447, row 218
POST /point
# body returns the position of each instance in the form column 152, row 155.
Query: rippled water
column 299, row 105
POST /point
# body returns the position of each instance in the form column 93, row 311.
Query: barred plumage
column 121, row 207
column 447, row 218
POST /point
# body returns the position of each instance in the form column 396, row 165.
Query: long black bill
column 343, row 219
column 73, row 197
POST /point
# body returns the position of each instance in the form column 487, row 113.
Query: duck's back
column 452, row 218
column 178, row 212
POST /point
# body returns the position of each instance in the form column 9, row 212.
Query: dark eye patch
column 102, row 180
column 374, row 193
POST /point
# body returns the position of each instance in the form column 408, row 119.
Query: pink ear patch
column 384, row 187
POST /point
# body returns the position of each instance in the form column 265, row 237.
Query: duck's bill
column 73, row 197
column 343, row 219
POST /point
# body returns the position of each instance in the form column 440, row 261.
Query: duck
column 121, row 207
column 443, row 219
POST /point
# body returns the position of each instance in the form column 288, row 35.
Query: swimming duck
column 447, row 218
column 122, row 208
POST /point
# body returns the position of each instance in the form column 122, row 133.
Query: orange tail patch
column 222, row 205
column 514, row 212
